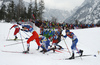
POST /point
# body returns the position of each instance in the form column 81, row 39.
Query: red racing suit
column 17, row 28
column 34, row 36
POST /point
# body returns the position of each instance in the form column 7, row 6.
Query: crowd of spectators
column 55, row 25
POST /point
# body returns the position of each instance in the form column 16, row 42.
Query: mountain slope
column 60, row 15
column 88, row 12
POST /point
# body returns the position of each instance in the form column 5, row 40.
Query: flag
column 22, row 20
column 33, row 16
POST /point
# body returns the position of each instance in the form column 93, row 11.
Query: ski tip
column 59, row 59
column 67, row 59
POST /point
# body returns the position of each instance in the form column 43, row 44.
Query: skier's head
column 40, row 36
column 67, row 31
column 22, row 26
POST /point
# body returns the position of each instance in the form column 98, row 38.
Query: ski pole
column 14, row 44
column 26, row 34
column 8, row 34
column 78, row 52
column 67, row 47
column 22, row 35
column 22, row 41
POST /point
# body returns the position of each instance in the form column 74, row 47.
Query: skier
column 29, row 28
column 72, row 36
column 45, row 43
column 17, row 28
column 56, row 40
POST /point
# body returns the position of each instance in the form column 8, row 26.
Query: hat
column 22, row 26
column 40, row 35
column 67, row 31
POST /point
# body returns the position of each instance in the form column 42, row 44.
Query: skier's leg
column 38, row 43
column 73, row 47
column 78, row 51
column 15, row 33
column 28, row 42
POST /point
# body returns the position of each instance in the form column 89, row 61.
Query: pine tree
column 11, row 11
column 19, row 10
column 30, row 9
column 24, row 14
column 41, row 8
column 8, row 13
column 3, row 12
column 35, row 10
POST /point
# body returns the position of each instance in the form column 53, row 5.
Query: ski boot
column 72, row 57
column 53, row 50
column 55, row 47
column 26, row 51
column 41, row 51
column 60, row 47
column 81, row 52
column 15, row 38
column 44, row 51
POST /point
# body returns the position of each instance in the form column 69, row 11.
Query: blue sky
column 61, row 4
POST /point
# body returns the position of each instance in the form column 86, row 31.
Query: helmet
column 22, row 26
column 67, row 31
column 40, row 35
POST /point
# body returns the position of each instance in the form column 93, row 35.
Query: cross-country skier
column 72, row 36
column 45, row 43
column 56, row 40
column 17, row 28
column 35, row 36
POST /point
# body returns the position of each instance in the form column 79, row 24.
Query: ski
column 13, row 40
column 63, row 50
column 58, row 51
column 12, row 51
column 75, row 57
column 14, row 44
column 83, row 56
column 16, row 52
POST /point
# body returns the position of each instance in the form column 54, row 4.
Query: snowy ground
column 89, row 41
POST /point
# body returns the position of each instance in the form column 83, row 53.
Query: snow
column 88, row 41
column 87, row 13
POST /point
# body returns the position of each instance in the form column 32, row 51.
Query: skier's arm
column 19, row 23
column 71, row 35
column 65, row 36
column 12, row 27
column 24, row 30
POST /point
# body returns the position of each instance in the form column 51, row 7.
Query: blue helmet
column 67, row 31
